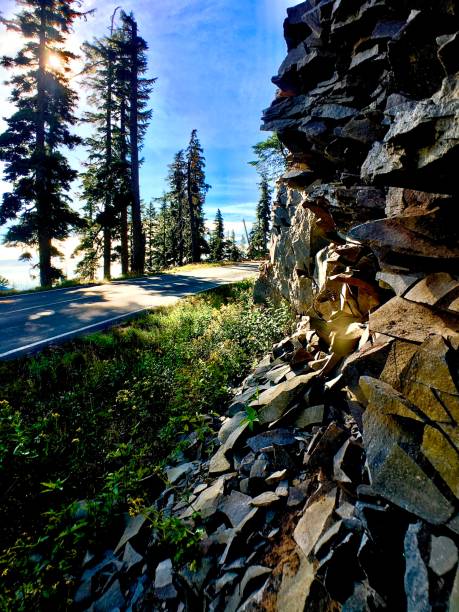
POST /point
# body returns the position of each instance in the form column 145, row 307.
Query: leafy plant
column 251, row 417
column 95, row 419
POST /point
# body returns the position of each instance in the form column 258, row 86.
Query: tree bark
column 138, row 238
column 124, row 229
column 108, row 164
column 194, row 239
column 44, row 234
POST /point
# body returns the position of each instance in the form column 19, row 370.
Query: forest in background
column 115, row 225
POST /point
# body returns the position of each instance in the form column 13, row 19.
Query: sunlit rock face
column 367, row 103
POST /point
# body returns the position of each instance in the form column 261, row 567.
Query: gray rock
column 208, row 501
column 296, row 582
column 265, row 499
column 313, row 521
column 395, row 475
column 406, row 157
column 176, row 473
column 273, row 402
column 225, row 581
column 279, row 437
column 196, row 578
column 134, row 525
column 443, row 555
column 164, row 586
column 242, row 529
column 282, row 489
column 276, row 477
column 236, row 507
column 416, row 578
column 219, row 463
column 83, row 593
column 454, row 597
column 310, row 416
column 111, row 600
column 230, row 425
column 260, row 468
column 252, row 573
column 131, row 558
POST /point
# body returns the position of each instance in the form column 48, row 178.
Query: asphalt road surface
column 31, row 321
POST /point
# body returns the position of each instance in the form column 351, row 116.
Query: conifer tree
column 271, row 158
column 120, row 119
column 217, row 239
column 177, row 196
column 39, row 129
column 162, row 236
column 260, row 232
column 150, row 222
column 98, row 180
column 232, row 250
column 139, row 88
column 197, row 189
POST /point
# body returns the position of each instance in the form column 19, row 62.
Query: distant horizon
column 216, row 78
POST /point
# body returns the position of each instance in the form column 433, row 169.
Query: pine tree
column 120, row 120
column 36, row 133
column 271, row 156
column 232, row 251
column 150, row 221
column 177, row 196
column 98, row 180
column 217, row 239
column 197, row 189
column 160, row 243
column 134, row 48
column 258, row 244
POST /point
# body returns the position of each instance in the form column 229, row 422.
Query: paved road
column 30, row 321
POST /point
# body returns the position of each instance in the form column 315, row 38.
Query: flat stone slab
column 280, row 437
column 164, row 587
column 296, row 583
column 313, row 521
column 133, row 527
column 407, row 320
column 219, row 463
column 236, row 507
column 395, row 475
column 273, row 402
column 433, row 288
column 265, row 499
column 174, row 474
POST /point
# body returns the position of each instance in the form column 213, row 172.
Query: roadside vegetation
column 86, row 428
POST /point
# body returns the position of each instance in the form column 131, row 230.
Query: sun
column 54, row 62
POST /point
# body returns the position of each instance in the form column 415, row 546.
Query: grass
column 86, row 427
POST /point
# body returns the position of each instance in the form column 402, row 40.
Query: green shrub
column 94, row 419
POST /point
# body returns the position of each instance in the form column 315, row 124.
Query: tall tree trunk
column 108, row 163
column 189, row 188
column 44, row 237
column 180, row 231
column 124, row 229
column 138, row 238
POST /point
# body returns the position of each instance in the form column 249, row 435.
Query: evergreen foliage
column 38, row 130
column 260, row 232
column 196, row 189
column 271, row 158
column 217, row 245
column 119, row 94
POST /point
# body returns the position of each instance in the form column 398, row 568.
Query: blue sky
column 213, row 60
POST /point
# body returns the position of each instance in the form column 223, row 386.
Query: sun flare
column 54, row 62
